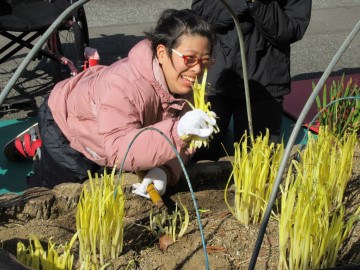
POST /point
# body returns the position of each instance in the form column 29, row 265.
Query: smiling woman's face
column 179, row 77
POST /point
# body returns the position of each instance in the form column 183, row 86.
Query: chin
column 182, row 92
column 186, row 91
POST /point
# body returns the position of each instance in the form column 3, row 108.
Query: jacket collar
column 151, row 71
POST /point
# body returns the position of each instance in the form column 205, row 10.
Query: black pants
column 59, row 163
column 266, row 114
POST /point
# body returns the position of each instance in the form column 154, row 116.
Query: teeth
column 189, row 78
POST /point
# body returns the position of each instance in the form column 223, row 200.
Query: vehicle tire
column 70, row 40
column 81, row 19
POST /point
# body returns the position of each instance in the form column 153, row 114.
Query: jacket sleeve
column 215, row 12
column 282, row 24
column 120, row 124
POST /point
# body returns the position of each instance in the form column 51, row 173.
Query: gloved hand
column 157, row 176
column 196, row 122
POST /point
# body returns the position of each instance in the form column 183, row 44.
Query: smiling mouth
column 190, row 79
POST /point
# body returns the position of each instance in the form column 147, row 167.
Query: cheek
column 172, row 72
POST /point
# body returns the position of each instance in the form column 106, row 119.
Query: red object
column 92, row 57
column 90, row 63
column 27, row 148
column 93, row 62
column 314, row 128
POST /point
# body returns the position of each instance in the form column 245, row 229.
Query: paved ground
column 116, row 25
column 332, row 21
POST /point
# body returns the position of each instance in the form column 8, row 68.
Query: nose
column 197, row 68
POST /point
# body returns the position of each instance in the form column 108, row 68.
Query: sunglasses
column 192, row 60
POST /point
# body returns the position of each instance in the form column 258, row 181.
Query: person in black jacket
column 269, row 27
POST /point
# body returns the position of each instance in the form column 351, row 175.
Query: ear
column 161, row 54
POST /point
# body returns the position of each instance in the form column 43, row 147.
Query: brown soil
column 50, row 213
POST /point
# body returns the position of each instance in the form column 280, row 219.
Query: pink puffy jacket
column 102, row 109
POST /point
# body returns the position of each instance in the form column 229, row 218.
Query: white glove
column 156, row 176
column 196, row 122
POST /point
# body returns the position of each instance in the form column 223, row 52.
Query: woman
column 90, row 120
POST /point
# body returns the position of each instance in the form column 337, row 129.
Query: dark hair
column 173, row 23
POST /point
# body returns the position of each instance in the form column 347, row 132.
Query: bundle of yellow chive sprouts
column 201, row 104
